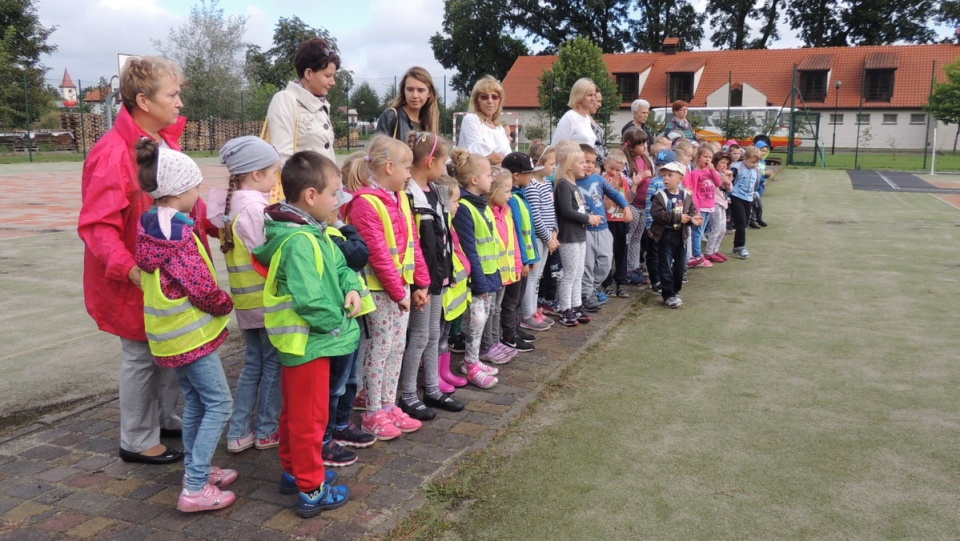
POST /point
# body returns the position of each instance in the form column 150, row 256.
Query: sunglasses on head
column 485, row 97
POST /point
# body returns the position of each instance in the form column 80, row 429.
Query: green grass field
column 806, row 393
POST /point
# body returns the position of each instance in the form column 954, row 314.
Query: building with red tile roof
column 891, row 84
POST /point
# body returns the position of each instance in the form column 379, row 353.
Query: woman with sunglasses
column 481, row 131
column 299, row 115
column 415, row 107
column 577, row 124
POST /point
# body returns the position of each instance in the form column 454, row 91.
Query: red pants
column 303, row 420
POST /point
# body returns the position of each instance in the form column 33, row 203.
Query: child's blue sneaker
column 602, row 297
column 288, row 483
column 323, row 498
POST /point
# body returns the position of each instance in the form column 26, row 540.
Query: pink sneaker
column 241, row 444
column 694, row 261
column 478, row 377
column 493, row 371
column 271, row 441
column 502, row 353
column 380, row 425
column 704, row 263
column 218, row 477
column 404, row 422
column 210, row 498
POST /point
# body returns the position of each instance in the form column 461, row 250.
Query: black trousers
column 510, row 310
column 740, row 210
column 618, row 273
column 548, row 282
column 650, row 255
column 672, row 254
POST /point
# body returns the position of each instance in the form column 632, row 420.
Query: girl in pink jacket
column 381, row 213
column 703, row 182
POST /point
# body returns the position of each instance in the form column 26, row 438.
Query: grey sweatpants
column 423, row 339
column 148, row 397
column 597, row 262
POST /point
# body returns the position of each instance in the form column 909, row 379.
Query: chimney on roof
column 671, row 45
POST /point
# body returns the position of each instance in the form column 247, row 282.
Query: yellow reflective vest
column 176, row 326
column 405, row 266
column 507, row 260
column 484, row 226
column 528, row 251
column 366, row 299
column 246, row 284
column 457, row 296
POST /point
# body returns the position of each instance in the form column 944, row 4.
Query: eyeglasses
column 485, row 97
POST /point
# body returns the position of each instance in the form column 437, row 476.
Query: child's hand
column 684, row 218
column 697, row 219
column 404, row 304
column 135, row 276
column 420, row 299
column 596, row 219
column 553, row 245
column 628, row 214
column 524, row 271
column 353, row 303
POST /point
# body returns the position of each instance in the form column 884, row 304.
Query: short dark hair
column 306, row 169
column 315, row 54
column 588, row 149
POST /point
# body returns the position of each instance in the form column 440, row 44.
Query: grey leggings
column 423, row 338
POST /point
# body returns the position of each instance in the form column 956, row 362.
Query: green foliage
column 945, row 101
column 275, row 66
column 256, row 100
column 660, row 19
column 365, row 100
column 473, row 40
column 23, row 40
column 207, row 46
column 823, row 23
column 552, row 22
column 730, row 20
column 578, row 58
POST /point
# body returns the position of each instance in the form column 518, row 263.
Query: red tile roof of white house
column 770, row 71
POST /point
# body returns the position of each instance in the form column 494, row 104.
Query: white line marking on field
column 891, row 183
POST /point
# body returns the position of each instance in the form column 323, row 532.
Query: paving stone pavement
column 60, row 478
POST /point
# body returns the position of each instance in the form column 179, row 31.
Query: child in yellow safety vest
column 511, row 269
column 396, row 275
column 185, row 315
column 253, row 165
column 311, row 300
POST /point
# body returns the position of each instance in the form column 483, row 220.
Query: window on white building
column 863, row 119
column 836, row 119
column 889, row 118
column 918, row 118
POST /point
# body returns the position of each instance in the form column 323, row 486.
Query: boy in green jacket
column 310, row 300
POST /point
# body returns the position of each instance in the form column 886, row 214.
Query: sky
column 377, row 41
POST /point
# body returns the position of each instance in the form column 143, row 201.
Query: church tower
column 68, row 90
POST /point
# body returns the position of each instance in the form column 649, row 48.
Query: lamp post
column 836, row 107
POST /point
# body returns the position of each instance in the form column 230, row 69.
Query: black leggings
column 740, row 210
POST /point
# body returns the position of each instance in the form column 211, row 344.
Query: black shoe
column 171, row 432
column 656, row 288
column 445, row 402
column 525, row 336
column 582, row 317
column 569, row 318
column 418, row 410
column 622, row 292
column 171, row 455
column 519, row 345
column 754, row 225
column 590, row 306
column 337, row 456
column 761, row 223
column 458, row 344
column 354, row 437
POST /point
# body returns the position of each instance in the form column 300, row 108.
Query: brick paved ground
column 61, row 478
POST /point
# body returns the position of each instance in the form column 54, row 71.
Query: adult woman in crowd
column 299, row 115
column 112, row 205
column 576, row 124
column 598, row 131
column 641, row 112
column 414, row 109
column 481, row 131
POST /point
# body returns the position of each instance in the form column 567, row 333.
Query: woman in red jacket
column 112, row 205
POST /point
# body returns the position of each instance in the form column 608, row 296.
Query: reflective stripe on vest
column 508, row 251
column 176, row 326
column 528, row 251
column 246, row 284
column 483, row 228
column 288, row 332
column 407, row 266
column 456, row 297
column 366, row 299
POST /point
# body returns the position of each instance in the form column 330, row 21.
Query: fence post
column 26, row 100
column 83, row 125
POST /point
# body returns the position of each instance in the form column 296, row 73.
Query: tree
column 22, row 41
column 577, row 58
column 208, row 47
column 474, row 42
column 944, row 102
column 828, row 23
column 275, row 66
column 365, row 100
column 732, row 29
column 604, row 22
column 661, row 19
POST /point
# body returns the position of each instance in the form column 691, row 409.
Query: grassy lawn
column 808, row 392
column 900, row 161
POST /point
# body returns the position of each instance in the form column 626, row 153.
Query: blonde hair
column 466, row 166
column 567, row 155
column 381, row 150
column 581, row 89
column 751, row 152
column 683, row 146
column 143, row 75
column 489, row 85
column 616, row 156
column 540, row 152
column 499, row 180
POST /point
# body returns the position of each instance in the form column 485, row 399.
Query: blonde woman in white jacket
column 299, row 115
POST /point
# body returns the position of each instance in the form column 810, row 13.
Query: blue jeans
column 344, row 378
column 206, row 409
column 698, row 231
column 261, row 371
